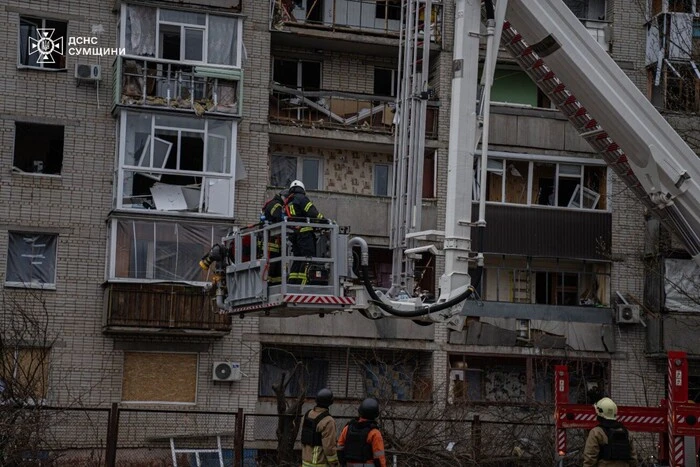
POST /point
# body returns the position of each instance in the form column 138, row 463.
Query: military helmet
column 369, row 409
column 324, row 398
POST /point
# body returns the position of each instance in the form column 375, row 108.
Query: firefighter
column 608, row 444
column 361, row 443
column 318, row 432
column 299, row 206
column 272, row 212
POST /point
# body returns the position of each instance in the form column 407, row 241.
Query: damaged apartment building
column 214, row 106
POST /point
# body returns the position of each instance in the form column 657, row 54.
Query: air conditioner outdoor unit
column 628, row 314
column 226, row 371
column 88, row 72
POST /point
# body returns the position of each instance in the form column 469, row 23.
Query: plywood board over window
column 160, row 377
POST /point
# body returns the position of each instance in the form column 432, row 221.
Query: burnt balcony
column 164, row 84
column 162, row 309
column 365, row 18
column 337, row 110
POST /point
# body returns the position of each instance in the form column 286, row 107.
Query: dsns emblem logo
column 45, row 45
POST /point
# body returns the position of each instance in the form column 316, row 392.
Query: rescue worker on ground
column 318, row 431
column 272, row 212
column 361, row 443
column 299, row 207
column 608, row 444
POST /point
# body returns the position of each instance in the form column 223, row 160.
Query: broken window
column 42, row 43
column 31, row 259
column 285, row 169
column 552, row 184
column 388, row 9
column 173, row 163
column 588, row 381
column 161, row 250
column 41, row 155
column 587, row 9
column 682, row 88
column 382, row 179
column 305, row 370
column 680, row 6
column 541, row 281
column 297, row 74
column 182, row 35
column 385, row 82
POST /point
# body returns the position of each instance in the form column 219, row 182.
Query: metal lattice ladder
column 409, row 138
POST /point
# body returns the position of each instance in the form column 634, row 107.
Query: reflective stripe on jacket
column 324, row 455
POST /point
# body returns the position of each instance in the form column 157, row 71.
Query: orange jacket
column 374, row 439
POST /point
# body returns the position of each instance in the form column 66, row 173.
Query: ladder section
column 599, row 138
column 409, row 140
column 521, row 288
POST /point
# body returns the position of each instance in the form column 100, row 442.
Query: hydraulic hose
column 488, row 4
column 426, row 310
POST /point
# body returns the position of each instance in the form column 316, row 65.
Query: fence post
column 238, row 439
column 476, row 437
column 112, row 435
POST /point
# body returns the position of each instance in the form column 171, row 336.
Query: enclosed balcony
column 162, row 309
column 151, row 83
column 337, row 110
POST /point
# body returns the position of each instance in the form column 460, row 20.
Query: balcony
column 336, row 110
column 165, row 84
column 172, row 309
column 368, row 17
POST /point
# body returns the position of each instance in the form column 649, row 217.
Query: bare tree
column 24, row 343
column 289, row 417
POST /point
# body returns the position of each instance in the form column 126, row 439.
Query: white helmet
column 297, row 183
column 606, row 408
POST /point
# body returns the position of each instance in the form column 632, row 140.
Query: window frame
column 299, row 72
column 583, row 163
column 39, row 66
column 16, row 169
column 299, row 175
column 32, row 284
column 114, row 243
column 389, row 179
column 205, row 38
column 229, row 159
column 15, row 354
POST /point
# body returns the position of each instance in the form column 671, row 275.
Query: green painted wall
column 513, row 86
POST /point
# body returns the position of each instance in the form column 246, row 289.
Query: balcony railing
column 165, row 309
column 149, row 82
column 340, row 110
column 366, row 16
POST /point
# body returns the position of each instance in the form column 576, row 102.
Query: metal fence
column 132, row 437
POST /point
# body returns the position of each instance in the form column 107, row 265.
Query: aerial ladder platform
column 554, row 48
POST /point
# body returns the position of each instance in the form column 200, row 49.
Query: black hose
column 489, row 9
column 421, row 311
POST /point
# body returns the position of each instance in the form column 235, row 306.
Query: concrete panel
column 366, row 215
column 347, row 325
column 573, row 141
column 504, row 130
column 541, row 133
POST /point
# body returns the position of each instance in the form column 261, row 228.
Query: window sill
column 38, row 68
column 21, row 172
column 22, row 285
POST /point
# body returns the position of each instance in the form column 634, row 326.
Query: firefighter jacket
column 323, row 455
column 273, row 210
column 299, row 205
column 361, row 445
column 592, row 451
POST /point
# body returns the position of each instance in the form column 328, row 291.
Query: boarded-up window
column 159, row 377
column 24, row 374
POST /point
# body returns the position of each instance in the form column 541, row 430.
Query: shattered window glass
column 283, row 170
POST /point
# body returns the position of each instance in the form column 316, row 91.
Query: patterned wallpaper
column 344, row 171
